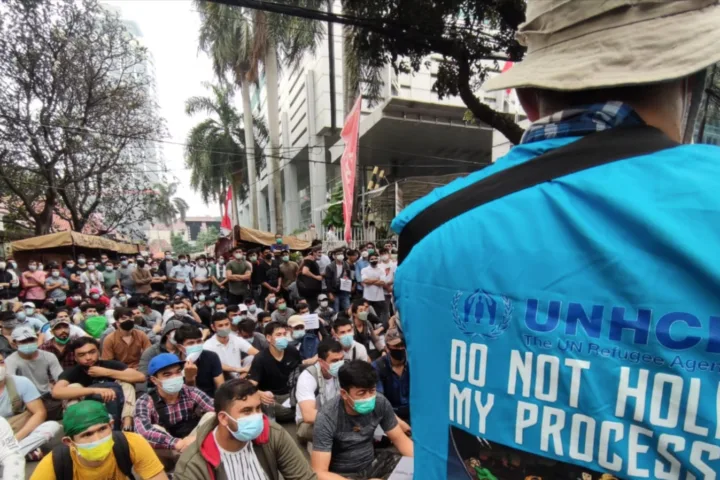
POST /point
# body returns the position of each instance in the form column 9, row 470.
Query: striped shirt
column 241, row 465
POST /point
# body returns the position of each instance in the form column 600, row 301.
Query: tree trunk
column 273, row 110
column 43, row 222
column 250, row 153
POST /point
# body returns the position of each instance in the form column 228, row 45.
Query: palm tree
column 239, row 41
column 167, row 208
column 216, row 146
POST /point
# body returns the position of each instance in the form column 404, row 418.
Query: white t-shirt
column 360, row 352
column 306, row 386
column 389, row 270
column 230, row 353
column 373, row 293
column 12, row 462
column 92, row 279
column 241, row 465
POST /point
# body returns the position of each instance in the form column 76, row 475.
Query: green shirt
column 109, row 279
column 238, row 268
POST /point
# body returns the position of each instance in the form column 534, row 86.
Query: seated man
column 343, row 328
column 168, row 416
column 91, row 450
column 21, row 405
column 165, row 345
column 126, row 344
column 228, row 346
column 344, row 428
column 203, row 368
column 316, row 386
column 152, row 317
column 241, row 443
column 246, row 329
column 62, row 314
column 182, row 312
column 282, row 312
column 40, row 367
column 12, row 462
column 271, row 370
column 108, row 381
column 394, row 374
column 263, row 320
column 60, row 330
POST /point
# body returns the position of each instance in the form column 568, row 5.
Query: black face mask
column 398, row 355
column 127, row 325
column 140, row 263
column 374, row 264
column 268, row 256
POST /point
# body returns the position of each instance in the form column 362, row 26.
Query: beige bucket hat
column 585, row 44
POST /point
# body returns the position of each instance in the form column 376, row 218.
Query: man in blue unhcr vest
column 579, row 335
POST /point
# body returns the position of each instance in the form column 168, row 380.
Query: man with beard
column 58, row 344
column 97, row 379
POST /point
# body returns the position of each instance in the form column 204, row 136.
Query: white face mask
column 340, row 258
column 384, row 258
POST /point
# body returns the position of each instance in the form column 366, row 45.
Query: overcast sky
column 169, row 29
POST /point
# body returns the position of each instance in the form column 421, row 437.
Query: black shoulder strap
column 121, row 450
column 163, row 416
column 591, row 151
column 62, row 462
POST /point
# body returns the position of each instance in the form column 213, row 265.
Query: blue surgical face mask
column 28, row 349
column 281, row 343
column 334, row 368
column 173, row 385
column 223, row 332
column 236, row 319
column 194, row 349
column 252, row 308
column 298, row 334
column 20, row 316
column 347, row 340
column 248, row 428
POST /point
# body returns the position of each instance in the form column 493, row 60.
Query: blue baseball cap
column 163, row 360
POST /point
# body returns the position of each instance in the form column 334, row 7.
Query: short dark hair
column 316, row 242
column 302, row 305
column 145, row 301
column 219, row 316
column 247, row 326
column 328, row 345
column 231, row 391
column 383, row 251
column 262, row 316
column 100, row 307
column 233, row 309
column 187, row 332
column 220, row 301
column 341, row 321
column 60, row 310
column 358, row 374
column 82, row 341
column 272, row 326
column 121, row 312
column 357, row 304
column 237, row 249
column 178, row 301
column 353, row 253
column 133, row 302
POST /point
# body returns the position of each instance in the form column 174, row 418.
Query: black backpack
column 63, row 465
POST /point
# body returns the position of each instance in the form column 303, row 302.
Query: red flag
column 226, row 224
column 350, row 135
column 505, row 68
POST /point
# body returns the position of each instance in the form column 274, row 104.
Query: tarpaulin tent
column 63, row 245
column 250, row 238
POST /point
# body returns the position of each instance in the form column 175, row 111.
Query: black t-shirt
column 272, row 375
column 308, row 284
column 209, row 367
column 205, row 313
column 79, row 374
column 268, row 273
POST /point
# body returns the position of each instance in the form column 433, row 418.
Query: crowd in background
column 160, row 345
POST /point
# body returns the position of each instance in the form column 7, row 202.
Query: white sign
column 312, row 321
column 345, row 284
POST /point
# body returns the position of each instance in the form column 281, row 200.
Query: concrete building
column 159, row 235
column 409, row 132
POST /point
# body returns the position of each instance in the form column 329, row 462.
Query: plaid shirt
column 66, row 358
column 190, row 399
column 577, row 122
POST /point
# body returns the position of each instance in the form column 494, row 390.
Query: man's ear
column 66, row 441
column 529, row 101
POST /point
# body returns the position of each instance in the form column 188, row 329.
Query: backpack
column 308, row 346
column 63, row 465
column 292, row 381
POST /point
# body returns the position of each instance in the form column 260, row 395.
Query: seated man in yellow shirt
column 91, row 450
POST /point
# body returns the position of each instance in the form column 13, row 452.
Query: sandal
column 35, row 456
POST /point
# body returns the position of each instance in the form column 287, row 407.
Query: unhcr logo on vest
column 481, row 314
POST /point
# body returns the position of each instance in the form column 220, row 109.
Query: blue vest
column 577, row 320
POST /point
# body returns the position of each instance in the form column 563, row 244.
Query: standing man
column 33, row 281
column 362, row 262
column 373, row 279
column 309, row 282
column 142, row 278
column 239, row 272
column 92, row 278
column 110, row 278
column 218, row 275
column 338, row 278
column 124, row 276
column 9, row 284
column 288, row 273
column 269, row 275
column 588, row 214
column 201, row 277
column 181, row 276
